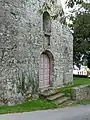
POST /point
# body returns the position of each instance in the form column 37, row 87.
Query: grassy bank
column 76, row 82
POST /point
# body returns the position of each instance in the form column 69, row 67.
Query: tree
column 81, row 32
column 71, row 3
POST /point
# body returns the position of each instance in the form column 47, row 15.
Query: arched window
column 46, row 23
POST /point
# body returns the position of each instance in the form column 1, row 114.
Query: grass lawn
column 81, row 81
column 28, row 106
column 76, row 82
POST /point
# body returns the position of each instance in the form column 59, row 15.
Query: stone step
column 55, row 96
column 68, row 103
column 48, row 93
column 61, row 100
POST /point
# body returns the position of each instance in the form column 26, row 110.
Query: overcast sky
column 63, row 4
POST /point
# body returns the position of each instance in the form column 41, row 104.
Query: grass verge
column 84, row 102
column 28, row 106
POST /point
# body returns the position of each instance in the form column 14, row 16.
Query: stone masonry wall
column 21, row 43
column 81, row 92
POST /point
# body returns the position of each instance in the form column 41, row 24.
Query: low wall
column 81, row 92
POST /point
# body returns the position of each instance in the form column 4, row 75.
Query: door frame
column 51, row 58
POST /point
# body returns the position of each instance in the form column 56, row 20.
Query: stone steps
column 48, row 93
column 61, row 100
column 55, row 96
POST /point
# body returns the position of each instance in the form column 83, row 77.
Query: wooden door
column 44, row 72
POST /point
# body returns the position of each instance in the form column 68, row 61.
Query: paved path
column 73, row 113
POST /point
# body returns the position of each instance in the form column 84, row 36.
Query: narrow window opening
column 46, row 23
column 48, row 39
column 47, row 27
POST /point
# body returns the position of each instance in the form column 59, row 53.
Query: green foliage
column 81, row 32
column 81, row 28
column 71, row 3
column 86, row 6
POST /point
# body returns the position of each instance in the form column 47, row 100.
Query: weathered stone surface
column 81, row 92
column 15, row 99
column 22, row 41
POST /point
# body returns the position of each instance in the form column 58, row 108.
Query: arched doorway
column 45, row 71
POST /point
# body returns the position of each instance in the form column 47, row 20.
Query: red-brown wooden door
column 44, row 71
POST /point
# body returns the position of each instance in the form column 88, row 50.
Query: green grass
column 76, row 82
column 85, row 102
column 81, row 81
column 28, row 106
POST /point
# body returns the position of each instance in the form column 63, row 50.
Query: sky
column 63, row 3
column 66, row 9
